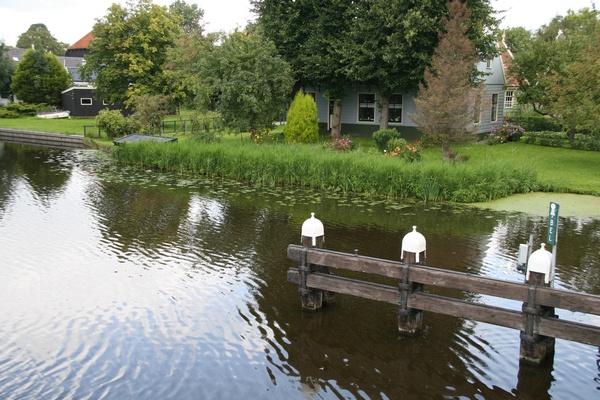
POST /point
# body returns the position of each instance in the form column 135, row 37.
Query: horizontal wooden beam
column 568, row 330
column 550, row 297
column 464, row 309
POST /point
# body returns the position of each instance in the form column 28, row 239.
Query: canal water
column 117, row 283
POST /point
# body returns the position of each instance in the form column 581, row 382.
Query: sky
column 70, row 20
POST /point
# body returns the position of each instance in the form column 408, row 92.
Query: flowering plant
column 407, row 152
column 507, row 132
column 339, row 144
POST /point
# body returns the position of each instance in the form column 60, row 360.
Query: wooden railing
column 535, row 318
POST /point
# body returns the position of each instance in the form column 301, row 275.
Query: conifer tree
column 447, row 97
column 302, row 124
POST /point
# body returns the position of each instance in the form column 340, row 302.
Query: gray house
column 361, row 113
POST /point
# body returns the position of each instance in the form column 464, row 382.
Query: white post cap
column 413, row 242
column 313, row 228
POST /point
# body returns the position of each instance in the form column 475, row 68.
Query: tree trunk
column 385, row 112
column 336, row 123
column 445, row 150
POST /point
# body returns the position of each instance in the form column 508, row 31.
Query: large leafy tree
column 447, row 97
column 129, row 51
column 310, row 35
column 574, row 95
column 39, row 38
column 543, row 61
column 40, row 78
column 245, row 79
column 7, row 68
column 188, row 16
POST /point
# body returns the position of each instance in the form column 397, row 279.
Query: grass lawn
column 70, row 126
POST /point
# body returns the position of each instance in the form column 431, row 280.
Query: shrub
column 149, row 112
column 403, row 150
column 302, row 124
column 507, row 132
column 340, row 145
column 383, row 136
column 586, row 142
column 545, row 138
column 4, row 113
column 113, row 123
column 395, row 145
column 25, row 109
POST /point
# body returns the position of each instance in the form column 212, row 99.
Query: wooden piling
column 410, row 320
column 313, row 237
column 535, row 348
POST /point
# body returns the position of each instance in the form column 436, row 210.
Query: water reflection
column 131, row 284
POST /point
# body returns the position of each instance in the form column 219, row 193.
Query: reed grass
column 362, row 173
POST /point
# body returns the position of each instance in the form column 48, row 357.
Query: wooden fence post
column 535, row 348
column 313, row 236
column 410, row 320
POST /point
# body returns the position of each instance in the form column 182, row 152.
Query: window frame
column 370, row 105
column 81, row 101
column 495, row 103
column 395, row 107
column 509, row 100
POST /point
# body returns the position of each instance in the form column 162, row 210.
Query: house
column 512, row 85
column 82, row 101
column 81, row 47
column 361, row 114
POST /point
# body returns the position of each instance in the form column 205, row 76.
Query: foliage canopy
column 40, row 78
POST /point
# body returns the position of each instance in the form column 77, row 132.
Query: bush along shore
column 352, row 172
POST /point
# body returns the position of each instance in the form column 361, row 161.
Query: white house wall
column 494, row 81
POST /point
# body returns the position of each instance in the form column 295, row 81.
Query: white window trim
column 509, row 103
column 86, row 104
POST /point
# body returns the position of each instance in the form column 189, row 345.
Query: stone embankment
column 42, row 138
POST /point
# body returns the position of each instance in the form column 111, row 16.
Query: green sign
column 553, row 223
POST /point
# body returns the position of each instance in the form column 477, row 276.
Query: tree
column 574, row 96
column 246, row 80
column 544, row 60
column 40, row 78
column 188, row 16
column 149, row 112
column 7, row 68
column 302, row 123
column 516, row 39
column 310, row 35
column 39, row 38
column 129, row 51
column 446, row 100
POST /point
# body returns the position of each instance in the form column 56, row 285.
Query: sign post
column 553, row 235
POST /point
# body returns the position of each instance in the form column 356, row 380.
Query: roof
column 83, row 43
column 507, row 58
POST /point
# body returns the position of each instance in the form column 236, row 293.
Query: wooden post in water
column 313, row 236
column 410, row 320
column 535, row 348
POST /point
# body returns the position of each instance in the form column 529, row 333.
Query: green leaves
column 40, row 78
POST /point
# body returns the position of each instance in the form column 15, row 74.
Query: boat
column 54, row 114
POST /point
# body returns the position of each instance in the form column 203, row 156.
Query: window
column 508, row 98
column 477, row 110
column 86, row 101
column 395, row 108
column 366, row 107
column 494, row 107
